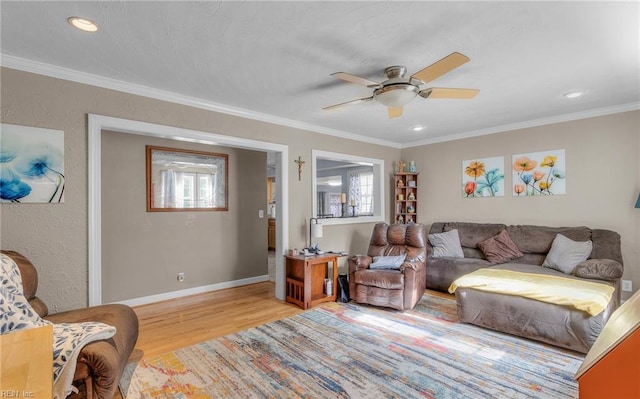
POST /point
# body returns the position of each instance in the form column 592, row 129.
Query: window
column 366, row 194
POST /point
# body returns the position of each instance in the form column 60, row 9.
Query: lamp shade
column 638, row 202
column 316, row 230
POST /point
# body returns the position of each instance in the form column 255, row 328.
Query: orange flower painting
column 483, row 177
column 539, row 173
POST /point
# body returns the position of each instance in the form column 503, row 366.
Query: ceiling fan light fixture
column 396, row 95
column 82, row 24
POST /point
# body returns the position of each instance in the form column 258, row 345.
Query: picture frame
column 32, row 166
column 180, row 180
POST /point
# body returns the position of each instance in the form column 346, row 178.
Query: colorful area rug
column 351, row 351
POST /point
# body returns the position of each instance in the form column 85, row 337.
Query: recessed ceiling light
column 417, row 128
column 573, row 94
column 82, row 24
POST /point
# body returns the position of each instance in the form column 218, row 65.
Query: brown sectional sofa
column 555, row 324
column 100, row 363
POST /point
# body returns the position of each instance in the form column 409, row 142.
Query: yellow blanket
column 584, row 295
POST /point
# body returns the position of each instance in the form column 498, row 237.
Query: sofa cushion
column 538, row 239
column 565, row 254
column 387, row 262
column 442, row 271
column 388, row 279
column 446, row 245
column 499, row 248
column 472, row 233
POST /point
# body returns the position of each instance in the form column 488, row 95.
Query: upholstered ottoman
column 558, row 325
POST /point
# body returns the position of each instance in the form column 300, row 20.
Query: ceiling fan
column 397, row 91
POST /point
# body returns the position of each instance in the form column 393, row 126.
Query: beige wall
column 603, row 176
column 144, row 251
column 603, row 179
column 54, row 237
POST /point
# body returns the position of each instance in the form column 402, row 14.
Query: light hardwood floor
column 173, row 324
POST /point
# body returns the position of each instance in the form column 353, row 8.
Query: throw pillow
column 387, row 262
column 565, row 254
column 446, row 244
column 499, row 248
column 601, row 269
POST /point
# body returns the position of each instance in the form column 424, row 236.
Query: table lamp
column 315, row 230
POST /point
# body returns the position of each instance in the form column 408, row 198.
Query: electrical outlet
column 626, row 286
column 181, row 277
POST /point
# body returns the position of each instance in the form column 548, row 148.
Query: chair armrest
column 358, row 262
column 601, row 269
column 415, row 266
column 100, row 363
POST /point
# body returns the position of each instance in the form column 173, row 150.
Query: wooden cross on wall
column 300, row 162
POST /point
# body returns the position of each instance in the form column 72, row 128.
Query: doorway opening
column 98, row 123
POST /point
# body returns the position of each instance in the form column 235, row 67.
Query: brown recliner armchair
column 100, row 363
column 399, row 288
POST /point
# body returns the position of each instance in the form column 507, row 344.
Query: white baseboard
column 191, row 291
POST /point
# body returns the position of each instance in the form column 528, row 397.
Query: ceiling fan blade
column 355, row 79
column 445, row 92
column 394, row 112
column 360, row 100
column 439, row 68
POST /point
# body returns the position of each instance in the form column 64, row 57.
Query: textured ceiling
column 273, row 60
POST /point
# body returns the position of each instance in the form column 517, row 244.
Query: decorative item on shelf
column 300, row 162
column 400, row 219
column 412, row 167
column 343, row 201
column 315, row 231
column 353, row 207
column 401, row 165
column 400, row 197
column 400, row 183
column 411, row 196
column 410, row 219
column 411, row 183
column 411, row 209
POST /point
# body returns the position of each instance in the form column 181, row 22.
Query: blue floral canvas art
column 31, row 164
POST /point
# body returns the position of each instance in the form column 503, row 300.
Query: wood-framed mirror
column 180, row 180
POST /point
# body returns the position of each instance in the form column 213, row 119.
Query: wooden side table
column 305, row 279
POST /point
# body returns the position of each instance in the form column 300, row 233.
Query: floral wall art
column 31, row 164
column 539, row 173
column 483, row 177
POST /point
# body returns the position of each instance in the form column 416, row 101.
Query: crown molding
column 616, row 109
column 72, row 75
